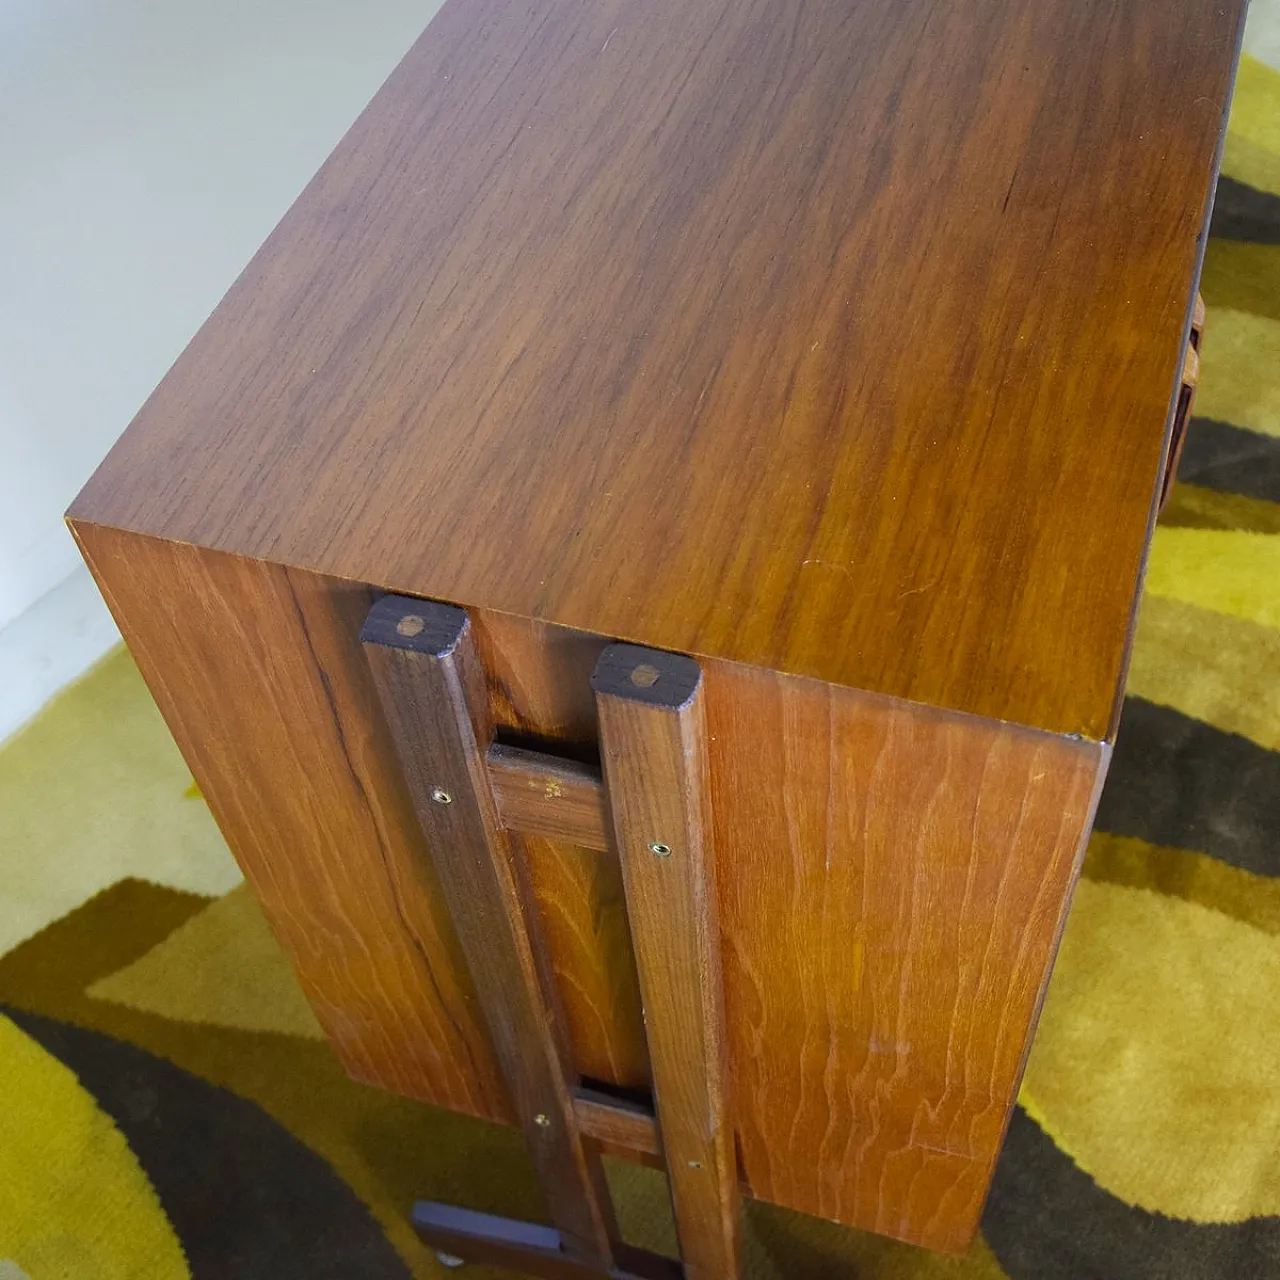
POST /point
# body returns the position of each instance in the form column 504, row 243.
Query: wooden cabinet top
column 832, row 336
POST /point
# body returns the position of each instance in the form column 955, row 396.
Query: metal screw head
column 410, row 625
column 644, row 676
column 441, row 796
column 662, row 850
column 695, row 1164
column 542, row 1121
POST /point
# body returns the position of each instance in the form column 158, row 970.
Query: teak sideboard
column 642, row 564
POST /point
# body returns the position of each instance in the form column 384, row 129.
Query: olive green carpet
column 169, row 1109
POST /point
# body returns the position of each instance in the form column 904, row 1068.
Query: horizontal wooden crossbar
column 621, row 1126
column 545, row 795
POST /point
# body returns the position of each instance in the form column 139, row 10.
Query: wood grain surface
column 893, row 884
column 833, row 339
column 259, row 673
column 653, row 738
column 549, row 795
column 540, row 682
column 589, row 940
column 892, row 880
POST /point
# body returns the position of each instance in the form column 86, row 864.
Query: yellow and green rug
column 169, row 1109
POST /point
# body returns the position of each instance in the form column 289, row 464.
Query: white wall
column 147, row 147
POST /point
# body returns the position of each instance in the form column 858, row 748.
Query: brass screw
column 662, row 850
column 411, row 625
column 695, row 1164
column 542, row 1121
column 441, row 796
column 644, row 676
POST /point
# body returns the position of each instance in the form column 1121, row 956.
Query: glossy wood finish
column 654, row 744
column 435, row 700
column 833, row 339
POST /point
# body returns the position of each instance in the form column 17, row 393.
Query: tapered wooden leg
column 653, row 742
column 432, row 690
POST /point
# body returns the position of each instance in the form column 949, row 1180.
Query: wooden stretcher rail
column 625, row 1128
column 545, row 795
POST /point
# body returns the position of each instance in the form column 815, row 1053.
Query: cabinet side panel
column 258, row 672
column 893, row 883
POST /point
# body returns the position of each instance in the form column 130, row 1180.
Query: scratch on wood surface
column 829, row 564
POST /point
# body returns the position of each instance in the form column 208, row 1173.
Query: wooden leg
column 653, row 740
column 432, row 691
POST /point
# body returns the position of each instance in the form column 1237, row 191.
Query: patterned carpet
column 169, row 1109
